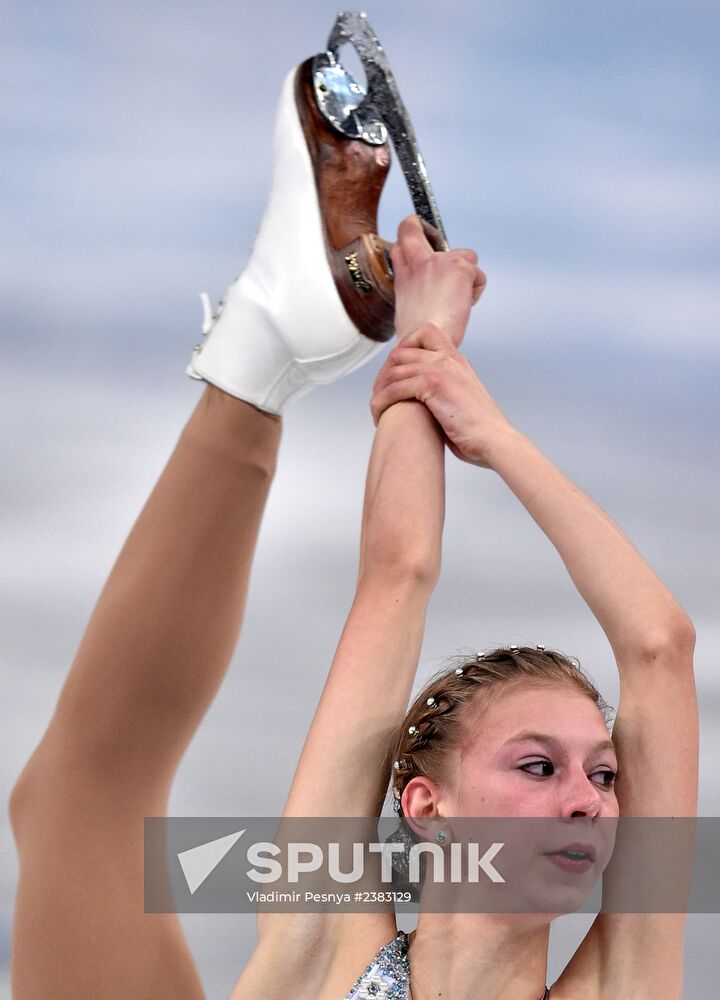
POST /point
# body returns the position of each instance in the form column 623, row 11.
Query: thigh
column 80, row 932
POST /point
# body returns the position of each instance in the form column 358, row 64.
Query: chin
column 552, row 901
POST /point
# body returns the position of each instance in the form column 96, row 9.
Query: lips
column 575, row 852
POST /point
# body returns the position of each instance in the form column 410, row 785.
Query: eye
column 605, row 778
column 539, row 765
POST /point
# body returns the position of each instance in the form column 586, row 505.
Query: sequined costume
column 388, row 975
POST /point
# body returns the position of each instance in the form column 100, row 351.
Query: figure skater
column 166, row 624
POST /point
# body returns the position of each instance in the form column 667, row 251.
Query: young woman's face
column 541, row 759
column 540, row 750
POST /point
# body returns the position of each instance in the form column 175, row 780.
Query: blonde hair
column 447, row 709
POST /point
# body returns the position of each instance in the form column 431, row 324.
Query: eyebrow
column 553, row 741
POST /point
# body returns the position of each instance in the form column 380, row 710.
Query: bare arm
column 344, row 766
column 367, row 690
column 370, row 680
column 656, row 729
column 640, row 617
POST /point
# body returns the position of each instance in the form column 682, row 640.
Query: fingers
column 396, row 392
column 413, row 237
column 397, row 373
column 479, row 277
column 408, row 362
column 417, row 348
column 466, row 254
column 479, row 284
column 413, row 232
column 402, row 355
column 434, row 237
column 412, row 243
column 427, row 336
column 463, row 263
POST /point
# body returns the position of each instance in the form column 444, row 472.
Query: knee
column 63, row 792
column 37, row 797
column 24, row 799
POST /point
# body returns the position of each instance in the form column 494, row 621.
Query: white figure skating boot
column 316, row 299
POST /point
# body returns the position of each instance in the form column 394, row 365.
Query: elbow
column 672, row 641
column 425, row 573
column 416, row 570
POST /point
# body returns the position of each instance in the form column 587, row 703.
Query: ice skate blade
column 365, row 115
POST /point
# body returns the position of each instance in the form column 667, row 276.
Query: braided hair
column 443, row 714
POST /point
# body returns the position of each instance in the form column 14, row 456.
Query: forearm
column 404, row 497
column 638, row 614
column 367, row 689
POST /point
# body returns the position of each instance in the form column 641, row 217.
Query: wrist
column 410, row 414
column 455, row 330
column 507, row 443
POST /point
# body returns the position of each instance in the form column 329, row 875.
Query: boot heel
column 363, row 277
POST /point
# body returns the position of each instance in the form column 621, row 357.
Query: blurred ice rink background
column 575, row 146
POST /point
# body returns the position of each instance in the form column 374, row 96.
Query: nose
column 582, row 797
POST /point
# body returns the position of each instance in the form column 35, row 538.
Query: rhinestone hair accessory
column 438, row 705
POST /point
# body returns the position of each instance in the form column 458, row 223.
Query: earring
column 441, row 836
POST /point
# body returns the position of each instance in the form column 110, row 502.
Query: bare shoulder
column 313, row 956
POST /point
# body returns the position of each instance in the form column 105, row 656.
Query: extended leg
column 154, row 653
column 164, row 629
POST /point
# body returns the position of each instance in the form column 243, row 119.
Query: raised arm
column 650, row 634
column 371, row 677
column 656, row 728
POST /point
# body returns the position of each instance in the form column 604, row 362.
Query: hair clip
column 413, row 731
column 459, row 672
column 430, row 702
column 514, row 649
column 540, row 648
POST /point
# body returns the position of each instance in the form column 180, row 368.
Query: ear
column 420, row 801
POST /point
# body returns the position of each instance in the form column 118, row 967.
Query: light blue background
column 574, row 145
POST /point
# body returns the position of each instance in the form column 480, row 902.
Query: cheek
column 503, row 793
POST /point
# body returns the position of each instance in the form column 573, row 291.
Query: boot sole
column 349, row 178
